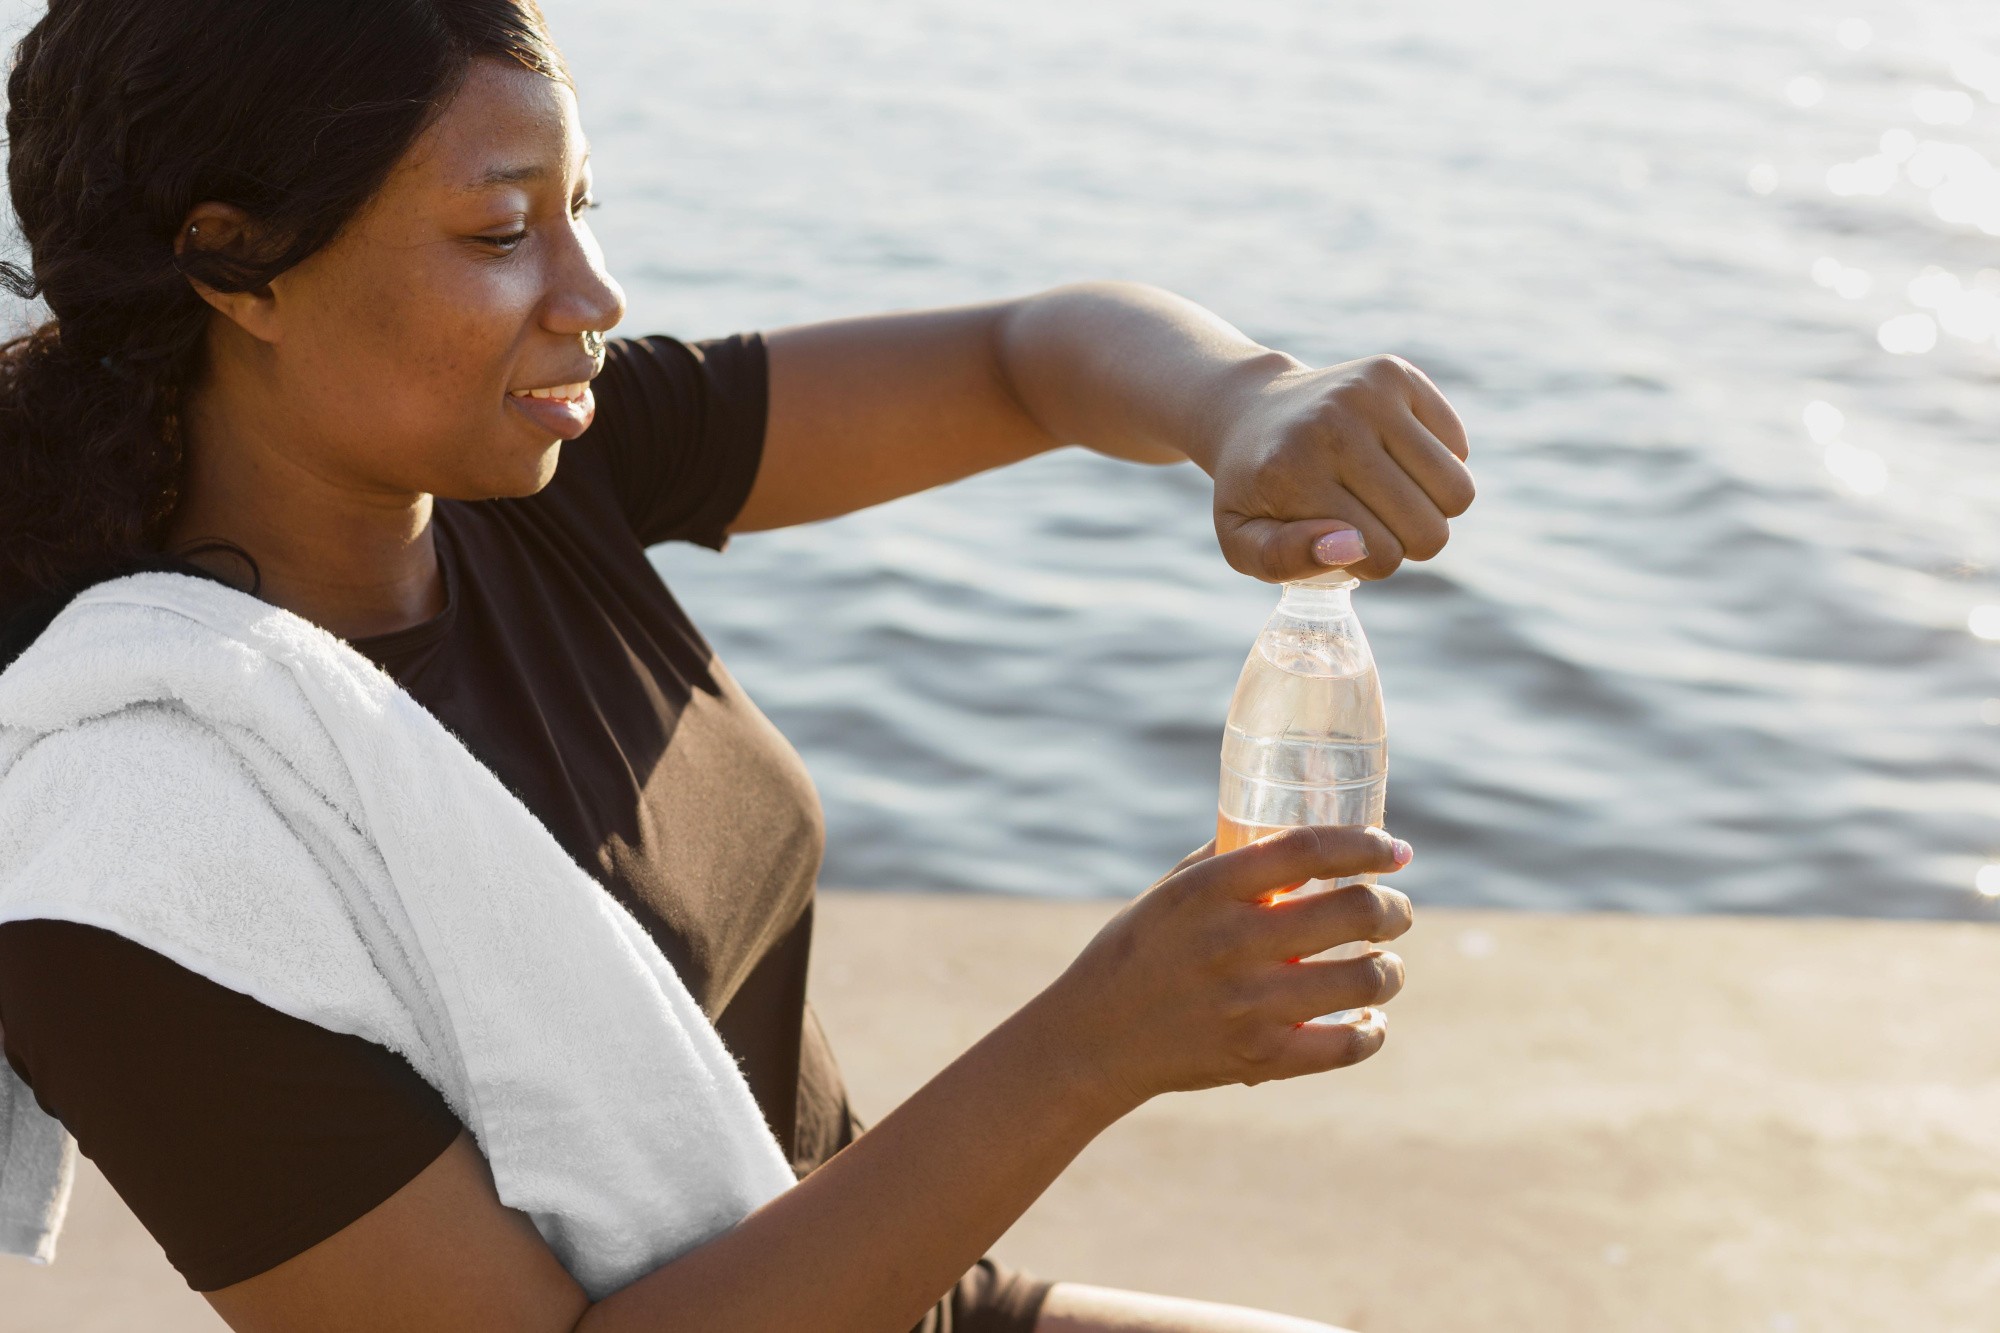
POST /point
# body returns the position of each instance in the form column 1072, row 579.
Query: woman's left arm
column 865, row 410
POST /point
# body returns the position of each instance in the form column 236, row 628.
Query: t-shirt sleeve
column 680, row 429
column 238, row 1135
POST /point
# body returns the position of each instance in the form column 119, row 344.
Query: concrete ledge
column 1580, row 1123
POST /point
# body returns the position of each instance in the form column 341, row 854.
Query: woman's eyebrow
column 515, row 175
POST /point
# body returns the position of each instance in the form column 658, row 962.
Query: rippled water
column 1700, row 645
column 1684, row 653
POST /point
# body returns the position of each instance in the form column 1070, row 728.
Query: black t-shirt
column 241, row 1136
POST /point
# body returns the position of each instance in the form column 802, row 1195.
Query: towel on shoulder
column 231, row 786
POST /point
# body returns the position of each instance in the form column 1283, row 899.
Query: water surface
column 1716, row 287
column 1700, row 645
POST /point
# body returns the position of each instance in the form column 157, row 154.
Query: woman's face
column 399, row 358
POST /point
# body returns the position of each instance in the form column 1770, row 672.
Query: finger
column 1303, row 991
column 1385, row 548
column 1281, row 550
column 1314, row 1048
column 1424, row 458
column 1302, row 925
column 1429, row 405
column 1193, row 858
column 1279, row 862
column 1379, row 480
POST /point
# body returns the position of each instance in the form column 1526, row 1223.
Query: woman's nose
column 587, row 299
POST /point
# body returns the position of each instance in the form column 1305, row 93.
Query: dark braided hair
column 122, row 116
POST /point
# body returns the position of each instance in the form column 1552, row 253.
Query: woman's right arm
column 1195, row 984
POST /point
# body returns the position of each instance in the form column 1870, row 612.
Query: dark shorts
column 990, row 1299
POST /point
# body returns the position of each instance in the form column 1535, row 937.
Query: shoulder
column 661, row 382
column 135, row 793
column 678, row 433
column 149, row 823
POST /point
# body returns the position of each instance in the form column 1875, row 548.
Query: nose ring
column 593, row 345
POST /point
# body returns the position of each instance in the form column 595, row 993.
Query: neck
column 352, row 558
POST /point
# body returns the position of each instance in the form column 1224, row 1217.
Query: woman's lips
column 564, row 410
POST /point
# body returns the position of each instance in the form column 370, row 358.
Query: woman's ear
column 227, row 229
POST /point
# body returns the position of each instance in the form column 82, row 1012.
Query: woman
column 327, row 317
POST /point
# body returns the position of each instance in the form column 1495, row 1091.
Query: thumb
column 1277, row 551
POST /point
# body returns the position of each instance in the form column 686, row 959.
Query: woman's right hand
column 1204, row 980
column 1192, row 985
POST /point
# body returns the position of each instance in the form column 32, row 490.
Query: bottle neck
column 1325, row 597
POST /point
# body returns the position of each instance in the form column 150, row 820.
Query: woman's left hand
column 1363, row 461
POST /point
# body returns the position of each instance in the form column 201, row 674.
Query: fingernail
column 1403, row 852
column 1340, row 548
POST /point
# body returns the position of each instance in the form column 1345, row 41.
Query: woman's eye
column 510, row 240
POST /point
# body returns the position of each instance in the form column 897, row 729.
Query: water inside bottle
column 1306, row 741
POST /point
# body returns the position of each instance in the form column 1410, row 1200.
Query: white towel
column 228, row 784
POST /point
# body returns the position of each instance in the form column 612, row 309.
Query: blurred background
column 1715, row 286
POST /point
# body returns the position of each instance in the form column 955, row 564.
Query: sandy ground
column 1580, row 1125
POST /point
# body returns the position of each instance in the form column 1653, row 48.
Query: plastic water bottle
column 1307, row 741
